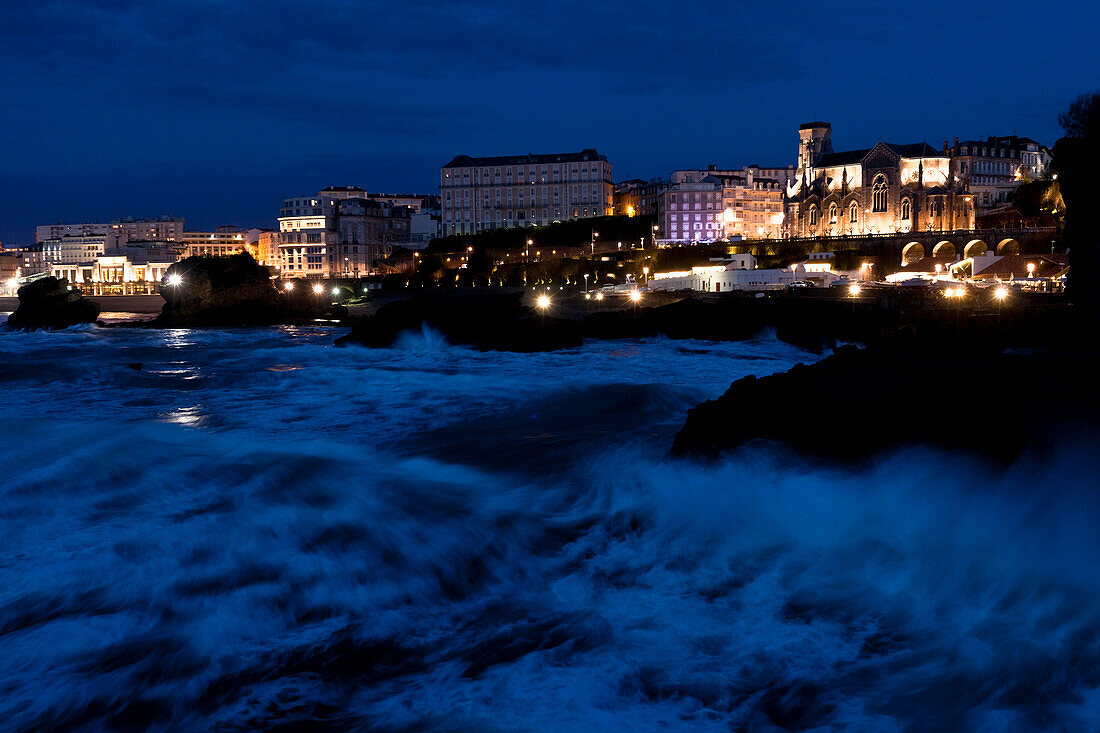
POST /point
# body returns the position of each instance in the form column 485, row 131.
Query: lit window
column 878, row 193
column 905, row 207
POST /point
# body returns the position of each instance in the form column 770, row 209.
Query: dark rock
column 229, row 291
column 51, row 303
column 490, row 321
column 858, row 403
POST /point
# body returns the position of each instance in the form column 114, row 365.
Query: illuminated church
column 881, row 190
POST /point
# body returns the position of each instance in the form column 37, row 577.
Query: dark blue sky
column 216, row 111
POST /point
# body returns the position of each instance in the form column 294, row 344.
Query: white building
column 114, row 275
column 67, row 250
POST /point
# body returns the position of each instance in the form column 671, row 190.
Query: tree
column 1076, row 161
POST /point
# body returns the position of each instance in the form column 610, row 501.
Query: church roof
column 847, row 157
column 851, row 157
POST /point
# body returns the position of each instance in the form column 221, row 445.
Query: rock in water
column 222, row 291
column 51, row 303
column 859, row 404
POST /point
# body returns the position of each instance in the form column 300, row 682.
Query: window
column 853, row 213
column 832, row 213
column 905, row 208
column 813, row 216
column 878, row 193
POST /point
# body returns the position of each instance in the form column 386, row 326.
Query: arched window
column 905, row 209
column 878, row 193
column 853, row 213
column 813, row 216
column 832, row 213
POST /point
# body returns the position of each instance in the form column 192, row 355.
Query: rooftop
column 588, row 154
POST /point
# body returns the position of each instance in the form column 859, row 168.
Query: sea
column 252, row 529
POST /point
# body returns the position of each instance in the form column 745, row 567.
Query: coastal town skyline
column 211, row 138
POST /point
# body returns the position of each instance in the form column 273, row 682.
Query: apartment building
column 523, row 190
column 344, row 238
column 711, row 205
column 993, row 168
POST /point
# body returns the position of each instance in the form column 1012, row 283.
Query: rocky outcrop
column 488, row 321
column 857, row 404
column 51, row 303
column 228, row 291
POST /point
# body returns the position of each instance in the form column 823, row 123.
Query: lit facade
column 712, row 205
column 522, row 191
column 993, row 168
column 114, row 275
column 337, row 236
column 637, row 197
column 220, row 243
column 888, row 188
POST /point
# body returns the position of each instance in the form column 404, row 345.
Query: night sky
column 216, row 111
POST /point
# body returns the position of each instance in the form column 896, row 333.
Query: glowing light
column 854, row 290
column 544, row 301
column 288, row 286
column 174, row 279
column 318, row 288
column 599, row 296
column 587, row 296
column 336, row 291
column 1000, row 293
column 636, row 295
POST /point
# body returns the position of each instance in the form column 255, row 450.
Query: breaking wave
column 232, row 530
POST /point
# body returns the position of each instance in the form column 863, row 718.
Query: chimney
column 956, row 142
column 945, row 147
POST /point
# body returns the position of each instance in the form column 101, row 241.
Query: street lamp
column 543, row 302
column 645, row 273
column 655, row 236
column 636, row 295
column 318, row 288
column 175, row 279
column 586, row 284
column 288, row 286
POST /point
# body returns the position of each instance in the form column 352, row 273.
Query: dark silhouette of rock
column 490, row 321
column 228, row 291
column 857, row 404
column 51, row 303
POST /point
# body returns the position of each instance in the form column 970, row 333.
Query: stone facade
column 884, row 189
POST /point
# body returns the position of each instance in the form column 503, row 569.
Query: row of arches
column 915, row 251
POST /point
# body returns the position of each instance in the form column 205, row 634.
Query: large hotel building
column 524, row 190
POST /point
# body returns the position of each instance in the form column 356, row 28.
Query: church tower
column 814, row 140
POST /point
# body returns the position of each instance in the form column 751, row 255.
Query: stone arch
column 912, row 252
column 944, row 249
column 975, row 248
column 1008, row 247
